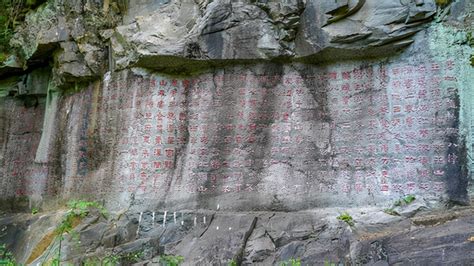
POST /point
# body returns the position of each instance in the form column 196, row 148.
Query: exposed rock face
column 216, row 30
column 168, row 107
column 72, row 31
column 263, row 238
column 268, row 136
column 250, row 30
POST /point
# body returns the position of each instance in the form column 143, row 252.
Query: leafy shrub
column 346, row 218
column 34, row 211
column 132, row 257
column 401, row 202
column 404, row 201
column 78, row 209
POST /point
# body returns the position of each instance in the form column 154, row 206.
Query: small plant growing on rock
column 132, row 257
column 409, row 199
column 232, row 263
column 78, row 209
column 81, row 208
column 404, row 201
column 6, row 257
column 291, row 262
column 111, row 260
column 347, row 218
column 171, row 260
column 401, row 202
column 3, row 57
column 34, row 211
column 470, row 39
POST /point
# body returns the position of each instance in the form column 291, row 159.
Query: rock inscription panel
column 357, row 132
column 290, row 136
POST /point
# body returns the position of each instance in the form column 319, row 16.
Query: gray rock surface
column 265, row 238
column 239, row 130
column 252, row 30
column 248, row 135
column 152, row 32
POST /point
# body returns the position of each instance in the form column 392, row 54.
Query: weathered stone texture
column 249, row 30
column 222, row 129
column 270, row 136
column 247, row 134
column 257, row 238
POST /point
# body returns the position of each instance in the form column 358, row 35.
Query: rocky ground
column 416, row 236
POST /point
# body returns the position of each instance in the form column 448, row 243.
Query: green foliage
column 470, row 39
column 404, row 201
column 401, row 202
column 81, row 207
column 34, row 210
column 232, row 263
column 346, row 218
column 132, row 257
column 8, row 20
column 77, row 209
column 111, row 260
column 409, row 199
column 55, row 262
column 12, row 13
column 291, row 262
column 171, row 260
column 6, row 257
column 3, row 56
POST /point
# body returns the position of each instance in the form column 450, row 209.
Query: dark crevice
column 210, row 222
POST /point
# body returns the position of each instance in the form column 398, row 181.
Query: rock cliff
column 222, row 130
